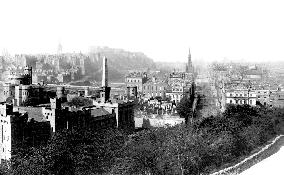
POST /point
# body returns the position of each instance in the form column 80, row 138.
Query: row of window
column 178, row 90
column 11, row 93
column 134, row 81
column 155, row 94
column 245, row 95
column 7, row 93
column 153, row 87
column 241, row 102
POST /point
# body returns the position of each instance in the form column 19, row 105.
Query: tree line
column 202, row 146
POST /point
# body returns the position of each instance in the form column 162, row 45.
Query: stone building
column 19, row 90
column 25, row 77
column 155, row 89
column 241, row 96
column 123, row 110
column 89, row 118
column 136, row 79
column 18, row 129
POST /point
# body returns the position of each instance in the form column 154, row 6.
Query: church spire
column 189, row 63
column 59, row 48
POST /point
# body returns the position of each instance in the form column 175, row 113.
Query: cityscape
column 115, row 109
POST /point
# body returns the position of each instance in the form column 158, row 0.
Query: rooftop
column 99, row 112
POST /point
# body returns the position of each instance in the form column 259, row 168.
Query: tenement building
column 241, row 96
column 136, row 79
column 155, row 88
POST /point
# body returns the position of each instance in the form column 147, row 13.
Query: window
column 245, row 95
column 231, row 95
column 241, row 102
column 237, row 94
column 231, row 101
column 250, row 101
column 241, row 95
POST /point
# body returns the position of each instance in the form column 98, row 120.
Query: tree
column 80, row 101
column 184, row 109
column 72, row 152
column 30, row 102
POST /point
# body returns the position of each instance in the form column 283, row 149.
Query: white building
column 6, row 111
column 240, row 96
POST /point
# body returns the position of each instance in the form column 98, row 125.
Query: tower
column 59, row 49
column 105, row 73
column 189, row 63
column 28, row 74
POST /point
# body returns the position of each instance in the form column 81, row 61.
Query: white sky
column 163, row 30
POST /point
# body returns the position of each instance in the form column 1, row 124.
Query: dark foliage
column 207, row 145
column 80, row 101
column 184, row 108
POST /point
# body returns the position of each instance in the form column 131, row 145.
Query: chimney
column 105, row 73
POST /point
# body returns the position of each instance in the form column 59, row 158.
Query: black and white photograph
column 141, row 87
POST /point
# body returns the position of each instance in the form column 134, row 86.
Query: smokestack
column 105, row 73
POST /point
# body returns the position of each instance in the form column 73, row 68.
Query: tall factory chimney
column 105, row 92
column 105, row 73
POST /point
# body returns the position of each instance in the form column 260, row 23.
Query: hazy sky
column 163, row 30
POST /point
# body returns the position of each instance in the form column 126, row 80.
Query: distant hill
column 119, row 62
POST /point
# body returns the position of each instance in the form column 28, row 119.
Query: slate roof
column 33, row 112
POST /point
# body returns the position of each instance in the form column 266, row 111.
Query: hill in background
column 119, row 63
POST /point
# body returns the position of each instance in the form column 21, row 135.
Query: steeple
column 59, row 49
column 189, row 63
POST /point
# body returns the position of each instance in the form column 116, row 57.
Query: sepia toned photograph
column 132, row 87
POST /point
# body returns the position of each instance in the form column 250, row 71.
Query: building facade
column 241, row 96
column 155, row 89
column 136, row 79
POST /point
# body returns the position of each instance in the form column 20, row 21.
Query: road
column 271, row 165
